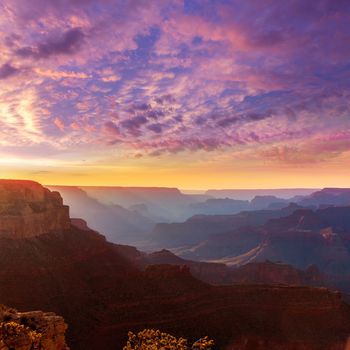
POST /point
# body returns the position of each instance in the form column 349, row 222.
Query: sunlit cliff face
column 193, row 94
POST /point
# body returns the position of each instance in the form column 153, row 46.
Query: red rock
column 27, row 209
column 51, row 327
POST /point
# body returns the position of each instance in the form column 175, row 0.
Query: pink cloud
column 75, row 126
column 212, row 77
column 59, row 123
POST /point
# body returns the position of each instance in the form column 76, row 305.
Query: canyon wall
column 27, row 209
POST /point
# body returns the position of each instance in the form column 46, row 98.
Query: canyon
column 103, row 290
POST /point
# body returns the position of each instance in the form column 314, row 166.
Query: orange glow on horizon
column 186, row 178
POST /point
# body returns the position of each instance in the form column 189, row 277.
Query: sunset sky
column 194, row 94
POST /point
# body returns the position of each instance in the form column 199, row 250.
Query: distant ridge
column 248, row 194
column 159, row 188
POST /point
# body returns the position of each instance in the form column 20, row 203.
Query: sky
column 192, row 94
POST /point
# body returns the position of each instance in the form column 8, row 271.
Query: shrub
column 13, row 334
column 150, row 339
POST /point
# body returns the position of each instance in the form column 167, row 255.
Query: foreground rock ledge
column 51, row 327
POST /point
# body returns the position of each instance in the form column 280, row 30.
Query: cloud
column 156, row 127
column 318, row 149
column 199, row 75
column 111, row 129
column 165, row 99
column 52, row 74
column 67, row 44
column 7, row 71
column 59, row 123
column 173, row 145
column 250, row 117
column 110, row 78
column 133, row 125
column 75, row 126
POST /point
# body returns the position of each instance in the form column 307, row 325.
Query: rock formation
column 50, row 328
column 28, row 209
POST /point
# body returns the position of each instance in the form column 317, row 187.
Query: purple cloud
column 203, row 75
column 67, row 44
column 156, row 127
column 111, row 129
column 7, row 71
column 133, row 125
column 165, row 99
column 250, row 117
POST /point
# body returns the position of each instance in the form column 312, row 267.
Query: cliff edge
column 21, row 330
column 27, row 210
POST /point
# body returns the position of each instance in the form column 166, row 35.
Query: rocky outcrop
column 48, row 327
column 27, row 209
column 212, row 273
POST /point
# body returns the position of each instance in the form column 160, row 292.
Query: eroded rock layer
column 50, row 328
column 27, row 209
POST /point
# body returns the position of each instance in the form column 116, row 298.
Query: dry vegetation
column 150, row 339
